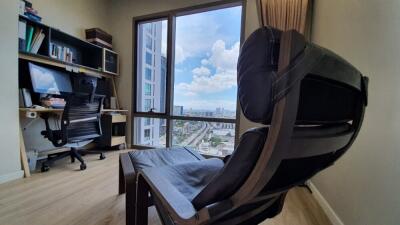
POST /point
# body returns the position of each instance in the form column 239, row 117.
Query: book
column 59, row 49
column 38, row 43
column 29, row 38
column 21, row 35
column 33, row 16
column 53, row 51
column 61, row 53
column 35, row 38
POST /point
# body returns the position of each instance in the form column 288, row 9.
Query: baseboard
column 11, row 176
column 333, row 217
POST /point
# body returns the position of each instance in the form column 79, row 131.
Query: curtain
column 286, row 14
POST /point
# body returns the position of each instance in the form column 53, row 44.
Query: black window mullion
column 170, row 76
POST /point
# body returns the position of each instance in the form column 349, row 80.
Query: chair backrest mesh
column 81, row 117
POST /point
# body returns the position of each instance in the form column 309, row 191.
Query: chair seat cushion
column 190, row 178
column 142, row 159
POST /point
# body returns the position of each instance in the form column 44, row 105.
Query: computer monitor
column 49, row 81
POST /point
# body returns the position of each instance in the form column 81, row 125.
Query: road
column 200, row 136
column 196, row 136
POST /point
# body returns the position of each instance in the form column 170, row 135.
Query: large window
column 185, row 79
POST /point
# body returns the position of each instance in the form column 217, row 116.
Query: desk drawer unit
column 114, row 130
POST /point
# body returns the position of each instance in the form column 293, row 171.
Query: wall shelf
column 61, row 64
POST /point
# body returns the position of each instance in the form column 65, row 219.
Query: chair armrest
column 49, row 133
column 178, row 206
column 127, row 174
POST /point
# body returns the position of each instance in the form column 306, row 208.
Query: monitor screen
column 49, row 81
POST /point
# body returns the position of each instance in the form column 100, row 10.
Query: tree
column 215, row 141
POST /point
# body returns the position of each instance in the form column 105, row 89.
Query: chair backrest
column 312, row 104
column 81, row 118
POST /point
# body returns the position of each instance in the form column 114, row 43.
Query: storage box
column 99, row 37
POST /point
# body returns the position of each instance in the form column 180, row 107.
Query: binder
column 21, row 35
column 29, row 38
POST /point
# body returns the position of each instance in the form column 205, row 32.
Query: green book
column 29, row 39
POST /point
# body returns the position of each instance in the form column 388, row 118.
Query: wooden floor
column 66, row 196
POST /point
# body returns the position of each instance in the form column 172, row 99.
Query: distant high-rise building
column 151, row 82
column 208, row 114
column 178, row 110
column 219, row 111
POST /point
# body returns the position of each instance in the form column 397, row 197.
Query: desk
column 24, row 159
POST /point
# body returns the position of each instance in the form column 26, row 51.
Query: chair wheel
column 83, row 166
column 45, row 168
column 102, row 156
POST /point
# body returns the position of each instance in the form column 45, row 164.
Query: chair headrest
column 330, row 86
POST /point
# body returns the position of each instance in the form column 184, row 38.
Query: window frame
column 168, row 115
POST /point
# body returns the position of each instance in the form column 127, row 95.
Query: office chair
column 80, row 125
column 311, row 103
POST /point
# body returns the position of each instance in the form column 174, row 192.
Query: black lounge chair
column 312, row 104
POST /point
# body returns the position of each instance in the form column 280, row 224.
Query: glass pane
column 148, row 74
column 150, row 132
column 147, row 89
column 147, row 105
column 208, row 138
column 206, row 52
column 151, row 66
column 149, row 42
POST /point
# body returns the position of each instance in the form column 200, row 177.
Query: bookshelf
column 61, row 49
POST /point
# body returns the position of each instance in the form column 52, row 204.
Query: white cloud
column 195, row 34
column 224, row 61
column 223, row 58
column 201, row 72
column 180, row 55
column 204, row 62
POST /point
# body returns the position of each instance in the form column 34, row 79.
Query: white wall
column 363, row 186
column 122, row 13
column 10, row 167
column 74, row 16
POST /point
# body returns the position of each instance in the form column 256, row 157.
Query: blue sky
column 206, row 51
